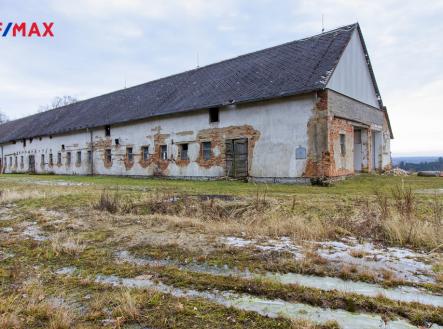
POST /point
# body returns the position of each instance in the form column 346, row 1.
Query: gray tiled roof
column 292, row 68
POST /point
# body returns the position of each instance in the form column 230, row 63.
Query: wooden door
column 237, row 157
column 32, row 163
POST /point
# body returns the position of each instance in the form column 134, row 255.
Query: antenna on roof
column 322, row 23
column 125, row 82
column 198, row 60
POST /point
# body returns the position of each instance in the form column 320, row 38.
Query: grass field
column 93, row 252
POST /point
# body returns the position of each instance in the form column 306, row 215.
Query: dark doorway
column 32, row 164
column 237, row 157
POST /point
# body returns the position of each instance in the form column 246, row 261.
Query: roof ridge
column 349, row 26
column 276, row 71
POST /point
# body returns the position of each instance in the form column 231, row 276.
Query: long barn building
column 306, row 109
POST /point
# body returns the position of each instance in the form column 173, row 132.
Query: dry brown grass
column 127, row 306
column 7, row 196
column 10, row 321
column 30, row 307
column 304, row 324
column 358, row 253
column 62, row 243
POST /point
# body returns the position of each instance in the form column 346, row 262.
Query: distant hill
column 414, row 159
column 419, row 163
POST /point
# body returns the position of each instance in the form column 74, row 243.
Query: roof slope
column 292, row 68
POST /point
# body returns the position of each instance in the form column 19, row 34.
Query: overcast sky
column 101, row 45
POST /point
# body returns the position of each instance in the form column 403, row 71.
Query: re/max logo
column 27, row 30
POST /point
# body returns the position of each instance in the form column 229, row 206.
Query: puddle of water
column 238, row 242
column 5, row 255
column 405, row 264
column 272, row 308
column 402, row 293
column 431, row 191
column 34, row 232
column 66, row 270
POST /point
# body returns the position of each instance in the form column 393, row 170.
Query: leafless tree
column 3, row 118
column 58, row 102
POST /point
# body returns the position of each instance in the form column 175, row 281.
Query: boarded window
column 43, row 160
column 145, row 150
column 206, row 150
column 79, row 157
column 129, row 154
column 107, row 131
column 51, row 159
column 59, row 158
column 108, row 155
column 68, row 158
column 214, row 115
column 184, row 152
column 343, row 144
column 16, row 161
column 89, row 156
column 163, row 152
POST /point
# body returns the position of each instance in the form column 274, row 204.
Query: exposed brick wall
column 336, row 114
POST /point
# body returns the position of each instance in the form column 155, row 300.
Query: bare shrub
column 108, row 202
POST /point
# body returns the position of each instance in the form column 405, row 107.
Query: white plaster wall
column 281, row 123
column 73, row 143
column 351, row 77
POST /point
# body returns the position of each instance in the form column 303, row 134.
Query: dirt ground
column 93, row 252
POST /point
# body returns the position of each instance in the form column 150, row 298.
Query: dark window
column 163, row 152
column 184, row 152
column 107, row 131
column 129, row 154
column 68, row 158
column 89, row 156
column 24, row 143
column 30, row 140
column 59, row 158
column 16, row 161
column 357, row 136
column 145, row 150
column 63, row 147
column 214, row 115
column 79, row 157
column 117, row 141
column 343, row 144
column 51, row 159
column 22, row 161
column 108, row 155
column 206, row 150
column 43, row 160
column 10, row 161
